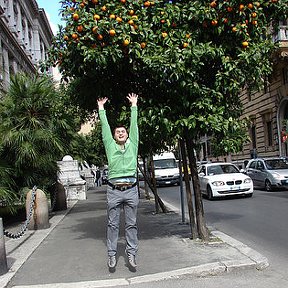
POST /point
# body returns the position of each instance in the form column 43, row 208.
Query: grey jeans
column 115, row 200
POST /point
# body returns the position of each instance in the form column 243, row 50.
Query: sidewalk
column 72, row 252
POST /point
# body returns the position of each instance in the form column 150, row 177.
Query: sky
column 51, row 8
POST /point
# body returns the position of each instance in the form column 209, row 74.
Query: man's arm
column 133, row 133
column 106, row 131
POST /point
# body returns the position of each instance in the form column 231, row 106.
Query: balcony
column 281, row 37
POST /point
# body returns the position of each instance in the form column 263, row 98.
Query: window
column 253, row 165
column 260, row 165
column 253, row 136
column 269, row 134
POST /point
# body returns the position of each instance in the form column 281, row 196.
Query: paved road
column 260, row 222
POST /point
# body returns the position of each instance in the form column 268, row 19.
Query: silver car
column 269, row 173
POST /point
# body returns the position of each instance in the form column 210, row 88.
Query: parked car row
column 222, row 179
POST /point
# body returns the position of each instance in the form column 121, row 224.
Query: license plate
column 168, row 182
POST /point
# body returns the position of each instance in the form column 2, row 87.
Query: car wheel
column 268, row 186
column 209, row 193
column 249, row 195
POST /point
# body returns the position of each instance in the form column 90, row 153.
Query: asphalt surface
column 72, row 251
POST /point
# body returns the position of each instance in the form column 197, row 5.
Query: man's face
column 120, row 135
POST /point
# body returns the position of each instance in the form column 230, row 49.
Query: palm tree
column 34, row 133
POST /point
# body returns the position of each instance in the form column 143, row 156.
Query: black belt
column 121, row 187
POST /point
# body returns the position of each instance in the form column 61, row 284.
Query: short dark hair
column 120, row 126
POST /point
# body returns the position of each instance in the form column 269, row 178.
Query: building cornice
column 48, row 31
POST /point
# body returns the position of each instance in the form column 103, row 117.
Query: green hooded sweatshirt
column 121, row 162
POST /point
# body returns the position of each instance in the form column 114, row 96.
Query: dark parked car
column 268, row 173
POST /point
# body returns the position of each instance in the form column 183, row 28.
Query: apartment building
column 25, row 36
column 267, row 111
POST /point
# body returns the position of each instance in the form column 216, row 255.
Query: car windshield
column 165, row 164
column 222, row 169
column 276, row 164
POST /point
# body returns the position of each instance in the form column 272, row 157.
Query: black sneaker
column 112, row 262
column 132, row 261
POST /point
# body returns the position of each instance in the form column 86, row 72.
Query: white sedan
column 223, row 179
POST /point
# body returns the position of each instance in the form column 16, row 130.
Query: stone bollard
column 58, row 191
column 3, row 260
column 40, row 214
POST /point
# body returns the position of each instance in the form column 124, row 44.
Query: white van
column 166, row 169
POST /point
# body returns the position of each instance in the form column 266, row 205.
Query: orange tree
column 191, row 56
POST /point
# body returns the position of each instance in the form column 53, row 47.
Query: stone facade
column 25, row 36
column 267, row 111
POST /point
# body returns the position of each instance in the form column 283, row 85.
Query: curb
column 257, row 260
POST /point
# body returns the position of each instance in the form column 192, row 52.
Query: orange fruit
column 82, row 5
column 245, row 44
column 214, row 22
column 143, row 45
column 131, row 22
column 126, row 42
column 213, row 4
column 234, row 29
column 229, row 9
column 80, row 28
column 254, row 22
column 74, row 36
column 100, row 37
column 94, row 1
column 147, row 3
column 131, row 12
column 75, row 17
column 241, row 7
column 96, row 17
column 254, row 15
column 112, row 16
column 112, row 32
column 66, row 38
column 164, row 34
column 118, row 19
column 95, row 29
column 123, row 1
column 250, row 5
column 104, row 8
column 185, row 44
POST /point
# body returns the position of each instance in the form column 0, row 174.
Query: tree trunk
column 200, row 219
column 192, row 219
column 147, row 195
column 158, row 201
